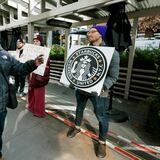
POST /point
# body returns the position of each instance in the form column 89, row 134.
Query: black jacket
column 12, row 67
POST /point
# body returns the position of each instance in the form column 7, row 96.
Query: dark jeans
column 20, row 82
column 100, row 109
column 2, row 121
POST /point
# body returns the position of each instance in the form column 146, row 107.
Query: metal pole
column 30, row 25
column 131, row 58
column 67, row 41
column 30, row 32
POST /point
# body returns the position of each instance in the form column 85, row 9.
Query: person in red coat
column 37, row 83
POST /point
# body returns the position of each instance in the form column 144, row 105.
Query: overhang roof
column 79, row 12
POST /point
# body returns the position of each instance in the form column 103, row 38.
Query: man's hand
column 39, row 60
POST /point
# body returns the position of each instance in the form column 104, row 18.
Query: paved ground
column 27, row 137
column 63, row 98
column 30, row 138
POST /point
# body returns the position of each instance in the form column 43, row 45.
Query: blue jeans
column 100, row 105
column 2, row 122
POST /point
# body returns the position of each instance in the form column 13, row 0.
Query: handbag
column 12, row 99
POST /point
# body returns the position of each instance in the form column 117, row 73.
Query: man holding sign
column 96, row 37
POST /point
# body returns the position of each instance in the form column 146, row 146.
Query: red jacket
column 37, row 81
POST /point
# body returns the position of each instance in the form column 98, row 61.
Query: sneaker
column 72, row 132
column 101, row 150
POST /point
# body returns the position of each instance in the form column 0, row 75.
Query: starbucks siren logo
column 85, row 67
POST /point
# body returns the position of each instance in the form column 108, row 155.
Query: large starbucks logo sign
column 85, row 67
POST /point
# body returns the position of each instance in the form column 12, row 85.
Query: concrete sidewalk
column 27, row 137
column 30, row 138
column 62, row 98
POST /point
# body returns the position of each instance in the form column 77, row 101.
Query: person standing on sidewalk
column 10, row 66
column 36, row 90
column 96, row 37
column 20, row 80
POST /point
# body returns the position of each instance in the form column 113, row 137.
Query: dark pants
column 2, row 121
column 100, row 109
column 20, row 82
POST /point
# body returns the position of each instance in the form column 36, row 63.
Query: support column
column 19, row 10
column 79, row 40
column 59, row 3
column 30, row 32
column 30, row 25
column 49, row 39
column 11, row 15
column 30, row 7
column 67, row 42
column 43, row 6
column 3, row 19
column 131, row 58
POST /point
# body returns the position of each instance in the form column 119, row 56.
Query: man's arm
column 19, row 68
column 113, row 71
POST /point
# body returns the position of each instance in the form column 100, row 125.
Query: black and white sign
column 86, row 67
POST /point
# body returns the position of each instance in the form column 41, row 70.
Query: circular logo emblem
column 85, row 67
